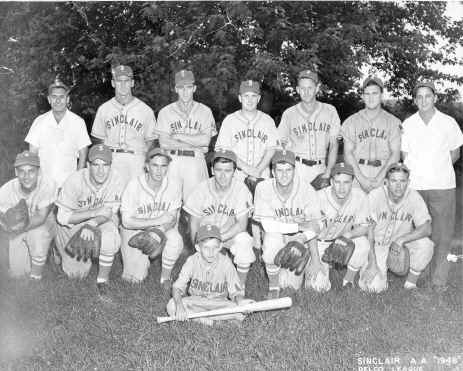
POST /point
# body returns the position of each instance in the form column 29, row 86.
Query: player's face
column 372, row 96
column 249, row 101
column 157, row 168
column 283, row 173
column 425, row 99
column 27, row 176
column 223, row 173
column 185, row 92
column 58, row 99
column 210, row 249
column 123, row 85
column 342, row 185
column 99, row 170
column 307, row 90
column 397, row 183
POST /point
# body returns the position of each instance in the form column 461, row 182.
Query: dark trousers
column 441, row 205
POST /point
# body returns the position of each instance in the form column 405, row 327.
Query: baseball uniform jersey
column 248, row 139
column 372, row 139
column 33, row 244
column 58, row 143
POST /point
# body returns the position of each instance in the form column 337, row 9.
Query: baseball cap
column 184, row 77
column 342, row 168
column 100, row 152
column 398, row 166
column 372, row 80
column 27, row 158
column 121, row 70
column 249, row 86
column 157, row 152
column 57, row 84
column 425, row 84
column 308, row 74
column 284, row 156
column 208, row 231
column 224, row 153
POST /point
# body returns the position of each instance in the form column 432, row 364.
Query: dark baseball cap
column 372, row 80
column 157, row 152
column 224, row 153
column 424, row 84
column 250, row 86
column 208, row 231
column 121, row 70
column 27, row 158
column 342, row 168
column 284, row 156
column 184, row 77
column 100, row 152
column 308, row 74
column 398, row 166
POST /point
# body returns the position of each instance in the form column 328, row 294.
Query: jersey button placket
column 123, row 130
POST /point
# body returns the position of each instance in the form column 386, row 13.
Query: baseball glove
column 398, row 259
column 16, row 218
column 83, row 248
column 339, row 252
column 251, row 183
column 320, row 182
column 294, row 256
column 150, row 242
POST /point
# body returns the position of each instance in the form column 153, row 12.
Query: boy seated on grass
column 213, row 279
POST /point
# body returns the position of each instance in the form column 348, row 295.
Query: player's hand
column 365, row 183
column 87, row 234
column 253, row 172
column 181, row 313
column 313, row 268
column 103, row 211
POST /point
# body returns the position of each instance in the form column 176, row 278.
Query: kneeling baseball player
column 25, row 205
column 150, row 208
column 224, row 201
column 212, row 278
column 88, row 204
column 287, row 199
column 344, row 238
column 402, row 225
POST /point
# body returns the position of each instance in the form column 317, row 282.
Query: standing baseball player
column 151, row 200
column 224, row 201
column 92, row 197
column 371, row 138
column 29, row 243
column 126, row 125
column 59, row 137
column 347, row 216
column 288, row 199
column 400, row 216
column 185, row 128
column 310, row 129
column 210, row 279
column 431, row 143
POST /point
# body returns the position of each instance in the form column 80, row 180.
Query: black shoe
column 103, row 293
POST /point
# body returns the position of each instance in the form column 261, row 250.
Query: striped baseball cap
column 27, row 158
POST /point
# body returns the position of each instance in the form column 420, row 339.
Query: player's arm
column 195, row 140
column 349, row 157
column 424, row 230
column 82, row 157
column 33, row 149
column 315, row 264
column 238, row 226
column 96, row 140
column 245, row 168
column 455, row 155
column 265, row 161
column 167, row 141
column 394, row 157
column 194, row 226
column 358, row 231
column 164, row 220
column 39, row 217
column 180, row 310
column 93, row 217
column 332, row 155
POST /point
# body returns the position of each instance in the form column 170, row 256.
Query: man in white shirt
column 59, row 137
column 431, row 143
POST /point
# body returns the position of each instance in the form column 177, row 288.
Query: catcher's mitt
column 339, row 252
column 320, row 182
column 84, row 249
column 294, row 256
column 150, row 242
column 251, row 183
column 16, row 218
column 398, row 259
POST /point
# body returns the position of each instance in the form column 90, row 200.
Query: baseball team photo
column 231, row 185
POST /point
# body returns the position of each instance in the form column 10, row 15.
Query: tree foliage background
column 223, row 42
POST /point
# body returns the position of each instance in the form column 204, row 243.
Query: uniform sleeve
column 33, row 136
column 68, row 196
column 6, row 200
column 244, row 204
column 273, row 136
column 262, row 206
column 98, row 128
column 335, row 123
column 373, row 215
column 177, row 198
column 194, row 203
column 210, row 127
column 82, row 140
column 455, row 137
column 129, row 200
column 347, row 129
column 150, row 127
column 421, row 213
column 186, row 273
column 405, row 140
column 224, row 139
column 162, row 124
column 233, row 282
column 283, row 128
column 115, row 193
column 48, row 195
column 312, row 209
column 363, row 214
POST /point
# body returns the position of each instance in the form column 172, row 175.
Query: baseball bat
column 257, row 306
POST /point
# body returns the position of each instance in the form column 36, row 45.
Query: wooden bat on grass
column 257, row 306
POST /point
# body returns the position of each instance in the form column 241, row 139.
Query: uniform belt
column 181, row 152
column 120, row 150
column 328, row 241
column 374, row 163
column 308, row 162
